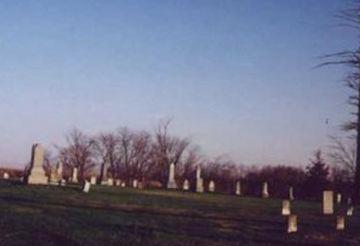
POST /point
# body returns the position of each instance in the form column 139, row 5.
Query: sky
column 236, row 77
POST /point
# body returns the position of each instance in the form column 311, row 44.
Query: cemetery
column 180, row 123
column 74, row 213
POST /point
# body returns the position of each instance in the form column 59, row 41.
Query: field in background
column 41, row 215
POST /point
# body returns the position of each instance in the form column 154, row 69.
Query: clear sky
column 235, row 76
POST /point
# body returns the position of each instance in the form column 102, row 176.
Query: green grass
column 48, row 215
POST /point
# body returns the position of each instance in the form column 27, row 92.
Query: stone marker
column 93, row 180
column 186, row 185
column 211, row 186
column 135, row 183
column 123, row 184
column 59, row 170
column 340, row 223
column 338, row 198
column 110, row 182
column 171, row 183
column 265, row 192
column 63, row 182
column 328, row 202
column 199, row 181
column 286, row 207
column 292, row 223
column 350, row 211
column 86, row 188
column 117, row 182
column 37, row 173
column 238, row 188
column 291, row 193
column 6, row 176
column 75, row 175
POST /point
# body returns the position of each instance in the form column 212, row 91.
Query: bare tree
column 343, row 154
column 351, row 58
column 167, row 149
column 78, row 152
column 106, row 148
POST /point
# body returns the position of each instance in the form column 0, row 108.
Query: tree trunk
column 356, row 191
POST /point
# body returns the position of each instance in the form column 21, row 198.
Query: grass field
column 41, row 215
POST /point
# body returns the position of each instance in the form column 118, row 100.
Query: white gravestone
column 117, row 182
column 123, row 184
column 286, row 207
column 238, row 188
column 292, row 224
column 265, row 192
column 75, row 175
column 110, row 182
column 211, row 186
column 135, row 183
column 328, row 202
column 340, row 223
column 37, row 172
column 171, row 183
column 6, row 176
column 338, row 198
column 93, row 180
column 63, row 182
column 350, row 211
column 291, row 193
column 186, row 185
column 59, row 170
column 199, row 181
column 87, row 187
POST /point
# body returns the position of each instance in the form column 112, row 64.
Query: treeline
column 126, row 154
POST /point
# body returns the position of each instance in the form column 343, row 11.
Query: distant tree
column 78, row 153
column 317, row 175
column 106, row 148
column 167, row 149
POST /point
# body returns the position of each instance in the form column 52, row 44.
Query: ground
column 49, row 215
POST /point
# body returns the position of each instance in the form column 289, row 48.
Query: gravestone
column 171, row 183
column 63, row 182
column 123, row 184
column 286, row 207
column 37, row 172
column 186, row 185
column 292, row 223
column 110, row 182
column 117, row 182
column 338, row 198
column 238, row 188
column 291, row 193
column 75, row 175
column 6, row 176
column 59, row 170
column 340, row 223
column 328, row 202
column 135, row 183
column 199, row 181
column 350, row 211
column 265, row 192
column 211, row 186
column 86, row 188
column 93, row 180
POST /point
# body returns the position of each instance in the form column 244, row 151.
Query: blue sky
column 235, row 76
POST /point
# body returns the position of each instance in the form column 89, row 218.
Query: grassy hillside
column 40, row 215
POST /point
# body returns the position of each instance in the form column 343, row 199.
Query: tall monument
column 171, row 183
column 199, row 181
column 37, row 172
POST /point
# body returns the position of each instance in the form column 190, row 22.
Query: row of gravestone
column 327, row 209
column 36, row 175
